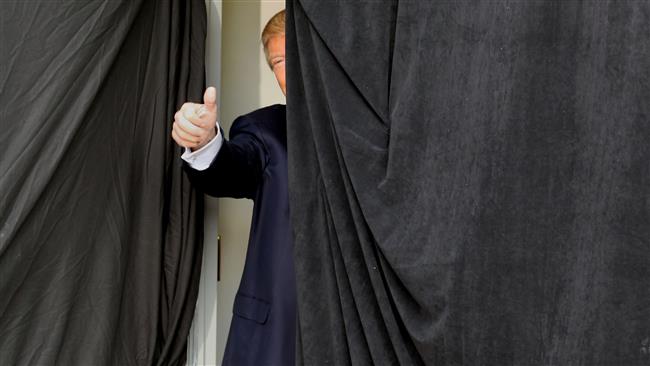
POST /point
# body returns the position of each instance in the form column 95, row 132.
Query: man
column 252, row 164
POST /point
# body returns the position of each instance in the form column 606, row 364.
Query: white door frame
column 202, row 340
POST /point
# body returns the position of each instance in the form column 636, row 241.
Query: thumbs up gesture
column 194, row 124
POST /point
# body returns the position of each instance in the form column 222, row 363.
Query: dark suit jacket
column 253, row 164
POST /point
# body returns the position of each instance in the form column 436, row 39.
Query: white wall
column 237, row 67
column 202, row 341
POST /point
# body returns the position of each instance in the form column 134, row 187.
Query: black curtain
column 100, row 236
column 470, row 181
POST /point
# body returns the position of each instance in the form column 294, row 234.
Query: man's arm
column 238, row 167
column 216, row 166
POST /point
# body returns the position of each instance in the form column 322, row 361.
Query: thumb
column 210, row 99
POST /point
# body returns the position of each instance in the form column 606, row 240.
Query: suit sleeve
column 238, row 168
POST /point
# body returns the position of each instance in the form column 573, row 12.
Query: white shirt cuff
column 203, row 157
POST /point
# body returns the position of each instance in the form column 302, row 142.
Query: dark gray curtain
column 100, row 232
column 470, row 181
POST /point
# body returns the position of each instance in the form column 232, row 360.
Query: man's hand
column 194, row 124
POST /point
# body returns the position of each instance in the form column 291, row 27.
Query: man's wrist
column 210, row 137
column 202, row 158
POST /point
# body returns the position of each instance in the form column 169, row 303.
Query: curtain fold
column 470, row 181
column 101, row 233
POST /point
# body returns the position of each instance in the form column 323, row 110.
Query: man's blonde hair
column 274, row 27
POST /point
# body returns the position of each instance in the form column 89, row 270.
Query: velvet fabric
column 470, row 181
column 100, row 230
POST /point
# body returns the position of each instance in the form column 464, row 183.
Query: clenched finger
column 207, row 120
column 189, row 127
column 186, row 136
column 188, row 108
column 182, row 142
